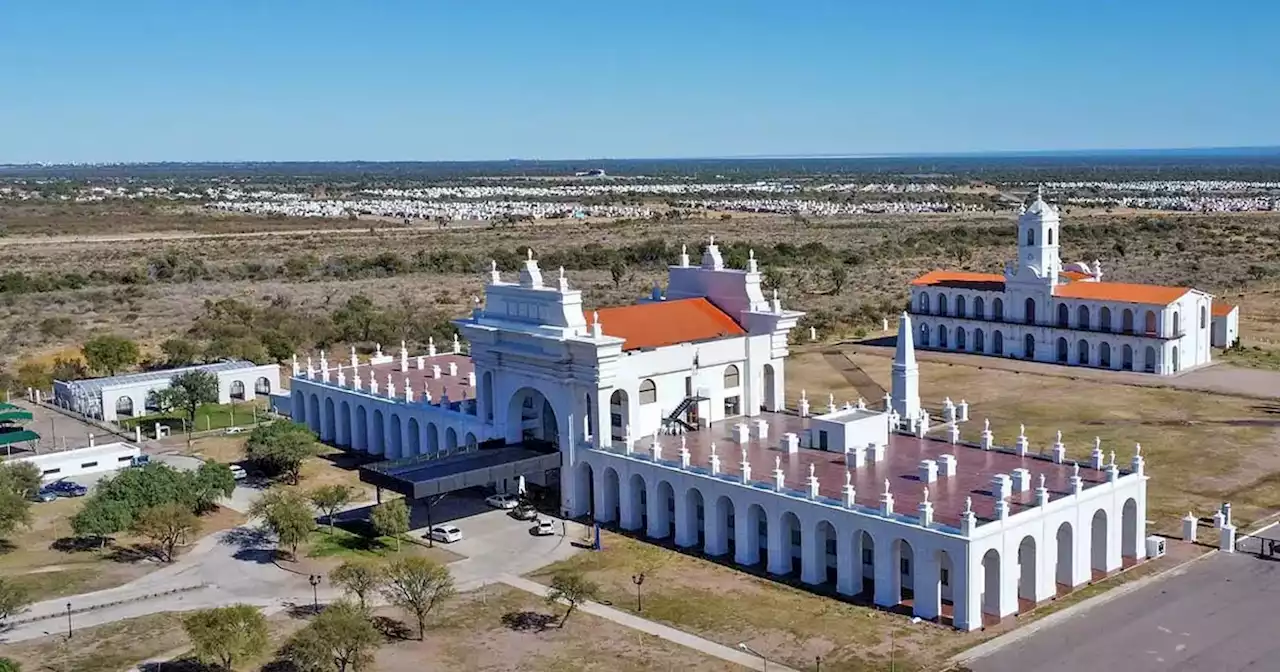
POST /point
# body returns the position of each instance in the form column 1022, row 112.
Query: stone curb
column 105, row 605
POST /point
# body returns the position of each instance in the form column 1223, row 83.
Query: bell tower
column 1038, row 243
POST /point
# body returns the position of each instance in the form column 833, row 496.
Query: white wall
column 93, row 460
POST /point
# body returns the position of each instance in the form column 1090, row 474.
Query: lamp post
column 764, row 662
column 314, row 579
column 638, row 579
column 68, row 620
column 817, row 664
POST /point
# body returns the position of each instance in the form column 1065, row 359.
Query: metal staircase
column 675, row 423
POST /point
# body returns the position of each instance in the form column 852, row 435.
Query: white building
column 134, row 394
column 1044, row 311
column 80, row 461
column 1226, row 325
column 667, row 417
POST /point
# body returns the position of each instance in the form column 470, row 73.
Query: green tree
column 573, row 588
column 109, row 353
column 34, row 375
column 356, row 319
column 212, row 481
column 13, row 598
column 226, row 634
column 287, row 513
column 179, row 352
column 101, row 518
column 391, row 519
column 341, row 638
column 166, row 524
column 281, row 447
column 417, row 585
column 618, row 271
column 329, row 498
column 18, row 481
column 187, row 392
column 358, row 577
column 9, row 665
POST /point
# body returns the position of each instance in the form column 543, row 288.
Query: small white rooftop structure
column 81, row 461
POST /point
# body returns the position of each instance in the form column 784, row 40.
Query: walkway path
column 656, row 629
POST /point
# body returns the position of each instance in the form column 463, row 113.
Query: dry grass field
column 171, row 274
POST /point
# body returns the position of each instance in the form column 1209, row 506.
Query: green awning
column 14, row 415
column 11, row 438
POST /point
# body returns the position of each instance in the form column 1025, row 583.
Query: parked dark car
column 44, row 495
column 68, row 489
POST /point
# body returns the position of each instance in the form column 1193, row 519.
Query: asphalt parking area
column 1219, row 614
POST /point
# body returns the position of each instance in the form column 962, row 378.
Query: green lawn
column 209, row 417
column 344, row 544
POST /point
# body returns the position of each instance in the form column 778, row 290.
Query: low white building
column 80, row 461
column 134, row 394
column 1044, row 311
column 1226, row 325
column 668, row 417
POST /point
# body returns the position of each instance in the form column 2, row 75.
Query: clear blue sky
column 127, row 80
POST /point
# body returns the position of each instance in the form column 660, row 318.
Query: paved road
column 235, row 567
column 1216, row 615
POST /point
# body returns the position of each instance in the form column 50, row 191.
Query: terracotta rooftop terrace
column 901, row 466
column 457, row 386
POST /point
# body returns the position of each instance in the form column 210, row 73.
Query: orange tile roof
column 662, row 323
column 989, row 282
column 1157, row 295
column 1222, row 309
column 1076, row 275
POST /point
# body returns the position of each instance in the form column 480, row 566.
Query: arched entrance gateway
column 531, row 418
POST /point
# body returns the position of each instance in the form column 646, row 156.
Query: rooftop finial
column 751, row 253
column 848, row 477
column 1137, row 450
column 712, row 240
column 886, row 486
column 968, row 504
column 595, row 317
column 926, row 494
column 1075, row 470
column 1040, row 191
column 562, row 272
column 493, row 265
column 528, row 253
column 1042, row 480
column 684, row 249
column 810, row 470
column 777, row 462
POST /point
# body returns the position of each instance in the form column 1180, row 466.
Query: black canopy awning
column 425, row 475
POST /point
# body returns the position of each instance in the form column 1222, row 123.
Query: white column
column 659, row 526
column 813, row 557
column 779, row 547
column 686, row 524
column 888, row 589
column 631, row 514
column 1115, row 535
column 848, row 562
column 604, row 513
column 715, row 530
column 927, row 588
column 746, row 538
column 966, row 592
column 1009, row 572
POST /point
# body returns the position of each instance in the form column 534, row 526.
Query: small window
column 731, row 406
column 87, row 465
column 1031, row 236
column 126, row 458
column 731, row 376
column 648, row 392
column 50, row 472
column 867, row 557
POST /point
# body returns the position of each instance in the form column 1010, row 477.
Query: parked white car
column 502, row 501
column 544, row 528
column 236, row 430
column 445, row 533
column 238, row 472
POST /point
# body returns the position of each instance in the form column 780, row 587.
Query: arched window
column 648, row 392
column 997, row 310
column 1176, row 323
column 1082, row 317
column 1104, row 355
column 1082, row 352
column 1064, row 315
column 942, row 304
column 1104, row 319
column 1030, row 311
column 924, row 302
column 1029, row 346
column 960, row 306
column 942, row 336
column 1031, row 237
column 979, row 308
column 924, row 335
column 1151, row 322
column 1062, row 350
column 262, row 386
column 997, row 342
column 1050, row 236
column 731, row 376
column 1126, row 321
column 1202, row 316
column 961, row 340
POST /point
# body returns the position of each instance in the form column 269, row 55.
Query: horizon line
column 1228, row 149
